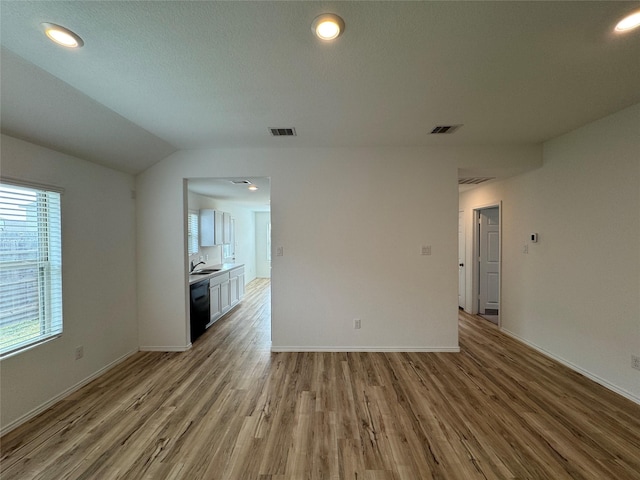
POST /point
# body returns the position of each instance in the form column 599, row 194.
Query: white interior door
column 489, row 260
column 462, row 287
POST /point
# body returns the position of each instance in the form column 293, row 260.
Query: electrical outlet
column 79, row 352
column 635, row 362
column 357, row 323
column 426, row 250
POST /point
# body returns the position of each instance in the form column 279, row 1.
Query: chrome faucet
column 193, row 267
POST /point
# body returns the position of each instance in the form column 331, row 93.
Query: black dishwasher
column 199, row 308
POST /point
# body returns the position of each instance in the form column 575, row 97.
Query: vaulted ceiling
column 157, row 76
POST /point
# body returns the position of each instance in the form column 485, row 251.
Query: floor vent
column 474, row 180
column 444, row 129
column 282, row 132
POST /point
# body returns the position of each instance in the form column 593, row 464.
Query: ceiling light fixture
column 327, row 26
column 62, row 36
column 253, row 188
column 629, row 22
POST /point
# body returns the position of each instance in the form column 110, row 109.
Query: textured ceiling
column 184, row 75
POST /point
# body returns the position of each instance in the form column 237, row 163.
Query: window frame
column 47, row 299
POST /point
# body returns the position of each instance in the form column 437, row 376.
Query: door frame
column 462, row 238
column 475, row 253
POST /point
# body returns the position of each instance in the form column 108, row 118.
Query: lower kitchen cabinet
column 224, row 296
column 218, row 297
column 236, row 285
column 215, row 310
column 226, row 289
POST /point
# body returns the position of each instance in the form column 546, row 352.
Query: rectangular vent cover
column 241, row 182
column 473, row 180
column 444, row 129
column 282, row 132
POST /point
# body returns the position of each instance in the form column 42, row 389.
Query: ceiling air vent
column 282, row 132
column 473, row 180
column 444, row 129
column 241, row 182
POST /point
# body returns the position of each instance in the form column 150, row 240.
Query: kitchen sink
column 205, row 271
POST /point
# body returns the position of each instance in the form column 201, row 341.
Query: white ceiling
column 157, row 76
column 225, row 189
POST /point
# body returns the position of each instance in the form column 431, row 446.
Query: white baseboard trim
column 576, row 368
column 152, row 348
column 49, row 403
column 277, row 349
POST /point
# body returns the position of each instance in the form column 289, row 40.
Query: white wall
column 576, row 294
column 263, row 265
column 358, row 255
column 99, row 297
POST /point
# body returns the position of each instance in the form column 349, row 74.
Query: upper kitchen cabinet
column 226, row 228
column 219, row 229
column 215, row 227
column 210, row 227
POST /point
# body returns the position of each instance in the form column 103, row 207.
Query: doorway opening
column 488, row 262
column 229, row 223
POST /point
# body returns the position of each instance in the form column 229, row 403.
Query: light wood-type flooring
column 230, row 409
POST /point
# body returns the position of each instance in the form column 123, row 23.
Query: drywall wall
column 99, row 298
column 576, row 293
column 263, row 264
column 351, row 223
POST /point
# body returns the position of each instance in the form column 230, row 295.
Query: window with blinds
column 192, row 233
column 30, row 267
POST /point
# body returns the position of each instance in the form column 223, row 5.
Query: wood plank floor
column 230, row 409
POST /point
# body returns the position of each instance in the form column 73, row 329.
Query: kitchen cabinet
column 213, row 227
column 218, row 297
column 233, row 291
column 236, row 285
column 226, row 228
column 219, row 222
column 215, row 295
column 207, row 228
column 225, row 304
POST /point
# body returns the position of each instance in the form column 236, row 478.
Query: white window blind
column 192, row 233
column 30, row 267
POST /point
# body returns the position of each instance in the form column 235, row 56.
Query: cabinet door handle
column 461, row 265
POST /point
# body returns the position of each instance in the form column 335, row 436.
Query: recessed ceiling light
column 253, row 188
column 62, row 36
column 629, row 22
column 327, row 26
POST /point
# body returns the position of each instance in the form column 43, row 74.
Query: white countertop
column 222, row 268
